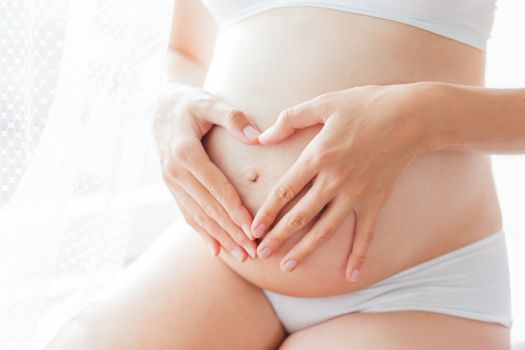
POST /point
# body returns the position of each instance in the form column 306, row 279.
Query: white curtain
column 79, row 82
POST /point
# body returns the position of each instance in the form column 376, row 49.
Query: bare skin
column 444, row 200
column 176, row 296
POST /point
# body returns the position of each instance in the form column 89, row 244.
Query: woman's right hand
column 205, row 197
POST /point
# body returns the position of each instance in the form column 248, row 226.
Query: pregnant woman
column 366, row 217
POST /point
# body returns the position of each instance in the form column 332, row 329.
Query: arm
column 207, row 200
column 191, row 43
column 408, row 119
column 180, row 69
column 470, row 118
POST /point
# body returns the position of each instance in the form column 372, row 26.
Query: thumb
column 291, row 119
column 235, row 122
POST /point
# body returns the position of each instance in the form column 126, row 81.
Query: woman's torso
column 281, row 57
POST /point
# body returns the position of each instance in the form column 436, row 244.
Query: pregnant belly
column 426, row 215
column 443, row 200
column 253, row 170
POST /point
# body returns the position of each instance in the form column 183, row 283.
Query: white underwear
column 471, row 282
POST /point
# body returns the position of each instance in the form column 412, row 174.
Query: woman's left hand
column 367, row 139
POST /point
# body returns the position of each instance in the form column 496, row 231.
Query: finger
column 214, row 210
column 300, row 116
column 291, row 183
column 194, row 158
column 200, row 221
column 232, row 119
column 297, row 218
column 213, row 245
column 224, row 238
column 331, row 218
column 366, row 219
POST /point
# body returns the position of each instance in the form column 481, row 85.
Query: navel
column 252, row 175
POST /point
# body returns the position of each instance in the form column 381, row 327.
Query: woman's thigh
column 400, row 330
column 175, row 296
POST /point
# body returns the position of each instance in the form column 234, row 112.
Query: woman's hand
column 205, row 197
column 366, row 141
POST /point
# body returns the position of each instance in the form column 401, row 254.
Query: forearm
column 470, row 118
column 181, row 69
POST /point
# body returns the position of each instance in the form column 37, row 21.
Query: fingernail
column 289, row 265
column 247, row 231
column 265, row 253
column 250, row 132
column 354, row 275
column 211, row 249
column 266, row 133
column 237, row 254
column 259, row 231
column 250, row 250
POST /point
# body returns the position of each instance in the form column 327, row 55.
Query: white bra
column 467, row 21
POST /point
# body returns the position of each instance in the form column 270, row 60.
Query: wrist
column 424, row 106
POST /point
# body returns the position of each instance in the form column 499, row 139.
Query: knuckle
column 237, row 236
column 172, row 169
column 234, row 116
column 317, row 159
column 229, row 194
column 346, row 200
column 216, row 193
column 351, row 193
column 359, row 257
column 324, row 235
column 323, row 104
column 323, row 155
column 314, row 163
column 224, row 193
column 332, row 184
column 199, row 220
column 297, row 221
column 182, row 149
column 286, row 115
column 237, row 214
column 211, row 209
column 200, row 102
column 284, row 193
column 274, row 240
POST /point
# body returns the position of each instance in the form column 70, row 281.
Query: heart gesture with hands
column 367, row 138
